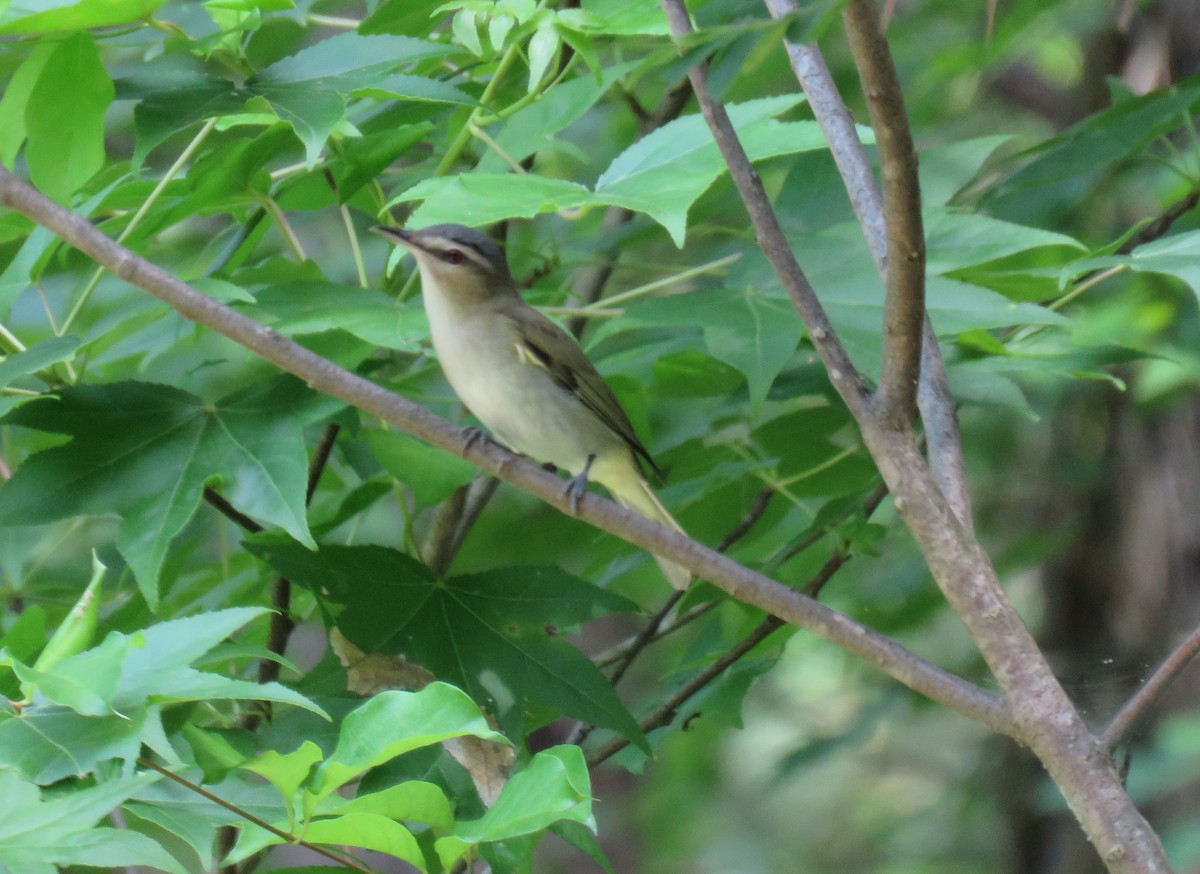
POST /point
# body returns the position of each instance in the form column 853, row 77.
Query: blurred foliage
column 247, row 145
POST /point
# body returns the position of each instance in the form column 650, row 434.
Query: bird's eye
column 453, row 256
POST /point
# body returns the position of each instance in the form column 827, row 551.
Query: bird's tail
column 634, row 492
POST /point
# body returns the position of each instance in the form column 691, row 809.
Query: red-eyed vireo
column 524, row 377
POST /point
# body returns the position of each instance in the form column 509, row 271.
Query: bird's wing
column 544, row 344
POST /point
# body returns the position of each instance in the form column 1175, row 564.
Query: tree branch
column 325, row 376
column 1136, row 708
column 1047, row 721
column 943, row 446
column 904, row 304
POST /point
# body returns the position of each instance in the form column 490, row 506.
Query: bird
column 525, row 378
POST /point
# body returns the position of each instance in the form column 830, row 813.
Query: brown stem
column 341, row 859
column 1140, row 703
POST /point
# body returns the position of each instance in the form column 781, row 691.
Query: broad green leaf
column 85, row 682
column 532, row 128
column 51, row 742
column 1105, row 138
column 412, row 800
column 392, row 723
column 363, row 158
column 491, row 634
column 302, row 308
column 63, row 830
column 307, row 89
column 28, row 17
column 16, row 276
column 286, row 771
column 430, row 473
column 37, row 357
column 466, row 31
column 484, row 198
column 542, row 46
column 64, row 118
column 1177, row 256
column 750, row 331
column 14, row 101
column 552, row 787
column 370, row 831
column 956, row 239
column 622, row 18
column 145, row 452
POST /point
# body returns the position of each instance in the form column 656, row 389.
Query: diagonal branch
column 326, row 377
column 904, row 303
column 1140, row 702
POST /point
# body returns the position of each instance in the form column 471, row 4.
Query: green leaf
column 542, row 46
column 286, row 771
column 145, row 452
column 370, row 831
column 466, row 31
column 1177, row 256
column 63, row 830
column 554, row 786
column 48, row 743
column 492, row 634
column 79, row 626
column 392, row 723
column 302, row 308
column 751, row 332
column 30, row 17
column 363, row 158
column 956, row 239
column 430, row 473
column 14, row 101
column 37, row 357
column 16, row 276
column 483, row 198
column 412, row 800
column 64, row 118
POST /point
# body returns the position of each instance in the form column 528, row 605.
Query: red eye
column 453, row 256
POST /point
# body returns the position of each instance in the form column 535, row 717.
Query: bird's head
column 458, row 260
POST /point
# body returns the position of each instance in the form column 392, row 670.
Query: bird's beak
column 399, row 237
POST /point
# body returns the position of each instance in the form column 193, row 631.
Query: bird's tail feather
column 635, row 493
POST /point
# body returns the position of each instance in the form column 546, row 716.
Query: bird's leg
column 577, row 485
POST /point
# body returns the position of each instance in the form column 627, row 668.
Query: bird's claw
column 577, row 485
column 473, row 435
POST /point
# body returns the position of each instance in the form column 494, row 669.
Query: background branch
column 1139, row 704
column 325, row 376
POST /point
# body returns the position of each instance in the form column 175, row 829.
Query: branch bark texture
column 325, row 376
column 1047, row 721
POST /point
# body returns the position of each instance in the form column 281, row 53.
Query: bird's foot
column 577, row 485
column 473, row 435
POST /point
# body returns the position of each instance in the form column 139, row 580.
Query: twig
column 665, row 713
column 1136, row 708
column 1159, row 225
column 341, row 859
column 230, row 512
column 324, row 376
column 904, row 303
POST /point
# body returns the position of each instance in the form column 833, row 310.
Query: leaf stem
column 149, row 202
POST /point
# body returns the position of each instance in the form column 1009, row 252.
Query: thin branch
column 933, row 392
column 230, row 512
column 341, row 859
column 324, row 376
column 666, row 712
column 1140, row 703
column 904, row 304
column 1161, row 223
